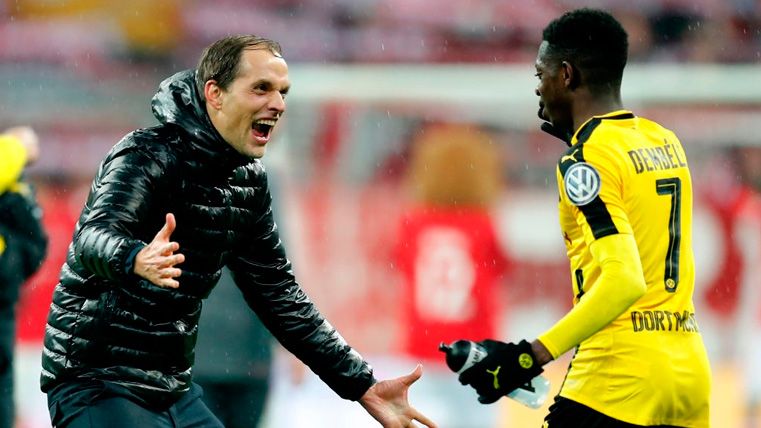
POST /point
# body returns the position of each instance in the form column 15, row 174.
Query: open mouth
column 262, row 128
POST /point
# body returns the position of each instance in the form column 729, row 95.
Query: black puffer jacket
column 111, row 325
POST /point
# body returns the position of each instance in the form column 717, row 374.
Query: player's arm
column 622, row 282
column 607, row 232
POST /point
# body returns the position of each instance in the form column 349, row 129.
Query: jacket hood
column 178, row 102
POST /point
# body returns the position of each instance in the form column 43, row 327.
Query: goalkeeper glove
column 505, row 367
column 557, row 133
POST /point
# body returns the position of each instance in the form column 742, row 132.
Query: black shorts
column 565, row 413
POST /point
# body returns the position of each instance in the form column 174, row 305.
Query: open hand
column 156, row 261
column 386, row 401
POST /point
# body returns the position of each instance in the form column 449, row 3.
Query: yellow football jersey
column 628, row 175
column 12, row 160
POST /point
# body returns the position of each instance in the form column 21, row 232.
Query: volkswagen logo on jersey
column 582, row 183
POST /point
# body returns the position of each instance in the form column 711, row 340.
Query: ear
column 571, row 76
column 213, row 94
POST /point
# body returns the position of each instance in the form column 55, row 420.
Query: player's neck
column 588, row 106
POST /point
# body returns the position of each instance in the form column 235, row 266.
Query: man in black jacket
column 22, row 247
column 122, row 326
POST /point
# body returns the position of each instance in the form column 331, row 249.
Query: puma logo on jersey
column 494, row 373
column 572, row 157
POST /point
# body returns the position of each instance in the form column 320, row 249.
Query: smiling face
column 246, row 111
column 553, row 90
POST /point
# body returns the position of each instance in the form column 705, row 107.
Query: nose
column 277, row 103
column 536, row 91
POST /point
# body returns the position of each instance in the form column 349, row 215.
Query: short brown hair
column 219, row 61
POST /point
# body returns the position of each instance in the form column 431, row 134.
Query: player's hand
column 505, row 367
column 386, row 401
column 557, row 133
column 156, row 261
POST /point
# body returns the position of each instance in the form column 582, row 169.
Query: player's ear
column 571, row 75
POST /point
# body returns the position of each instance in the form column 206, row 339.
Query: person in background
column 169, row 208
column 746, row 236
column 450, row 259
column 234, row 351
column 233, row 357
column 23, row 243
column 625, row 208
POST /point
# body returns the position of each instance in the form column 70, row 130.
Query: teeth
column 269, row 122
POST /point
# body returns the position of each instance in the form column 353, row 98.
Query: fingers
column 416, row 415
column 422, row 419
column 170, row 221
column 466, row 377
column 414, row 376
column 165, row 278
column 167, row 251
column 170, row 248
column 171, row 273
column 168, row 283
column 166, row 231
column 486, row 399
column 156, row 261
column 174, row 260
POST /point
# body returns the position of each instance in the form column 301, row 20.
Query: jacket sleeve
column 120, row 200
column 264, row 274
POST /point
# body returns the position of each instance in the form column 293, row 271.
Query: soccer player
column 23, row 246
column 626, row 217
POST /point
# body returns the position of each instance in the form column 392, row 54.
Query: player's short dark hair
column 592, row 40
column 219, row 61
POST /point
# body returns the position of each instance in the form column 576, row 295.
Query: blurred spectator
column 451, row 262
column 732, row 195
column 729, row 201
column 61, row 198
column 146, row 30
column 370, row 30
column 23, row 243
column 747, row 234
column 234, row 351
column 233, row 357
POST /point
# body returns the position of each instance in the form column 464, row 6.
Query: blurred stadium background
column 369, row 76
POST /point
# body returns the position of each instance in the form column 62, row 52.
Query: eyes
column 262, row 88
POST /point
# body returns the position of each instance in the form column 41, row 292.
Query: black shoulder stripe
column 599, row 218
column 595, row 212
column 627, row 115
column 586, row 131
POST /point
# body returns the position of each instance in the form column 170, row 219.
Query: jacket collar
column 178, row 102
